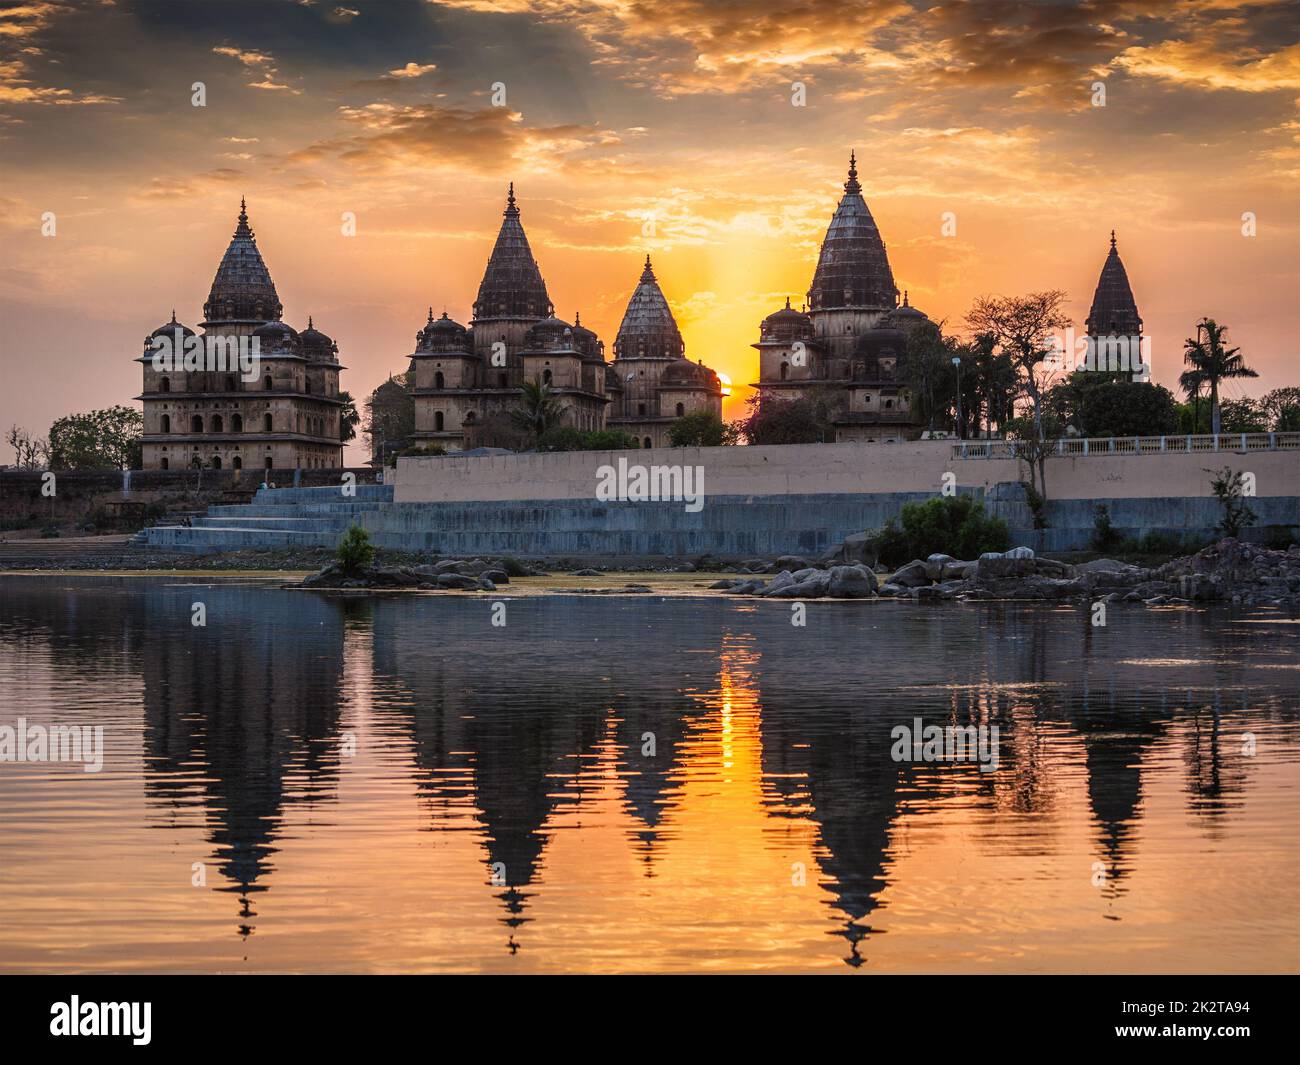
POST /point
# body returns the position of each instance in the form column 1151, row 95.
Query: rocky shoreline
column 1229, row 571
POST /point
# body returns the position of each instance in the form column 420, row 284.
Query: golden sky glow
column 632, row 128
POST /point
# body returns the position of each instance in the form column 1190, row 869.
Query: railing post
column 1272, row 441
column 1243, row 441
column 1216, row 441
column 1085, row 445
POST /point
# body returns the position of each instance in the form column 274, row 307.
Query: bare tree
column 30, row 452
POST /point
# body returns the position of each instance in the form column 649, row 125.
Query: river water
column 312, row 783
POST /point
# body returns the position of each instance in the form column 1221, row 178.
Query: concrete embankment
column 755, row 501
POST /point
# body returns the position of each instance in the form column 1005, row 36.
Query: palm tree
column 349, row 417
column 1215, row 362
column 1192, row 382
column 539, row 409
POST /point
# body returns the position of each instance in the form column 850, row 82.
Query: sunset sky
column 663, row 126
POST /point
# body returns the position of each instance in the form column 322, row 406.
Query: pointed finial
column 309, row 323
column 904, row 297
column 577, row 318
column 173, row 316
column 787, row 303
column 510, row 197
column 1112, row 238
column 852, row 185
column 648, row 274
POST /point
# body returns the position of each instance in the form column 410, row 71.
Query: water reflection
column 643, row 784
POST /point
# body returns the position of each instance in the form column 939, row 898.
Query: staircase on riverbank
column 276, row 519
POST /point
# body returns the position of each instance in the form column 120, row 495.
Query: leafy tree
column 1022, row 328
column 349, row 417
column 390, row 416
column 355, row 550
column 1282, row 409
column 800, row 421
column 1244, row 416
column 930, row 375
column 702, row 429
column 101, row 440
column 1103, row 404
column 1215, row 362
column 1033, row 443
column 539, row 409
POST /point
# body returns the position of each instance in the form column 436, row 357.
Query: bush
column 355, row 550
column 702, row 429
column 569, row 438
column 427, row 449
column 954, row 525
column 1104, row 535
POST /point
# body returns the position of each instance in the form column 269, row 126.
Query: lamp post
column 956, row 361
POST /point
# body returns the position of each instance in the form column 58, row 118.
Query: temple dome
column 316, row 343
column 648, row 329
column 852, row 268
column 512, row 285
column 686, row 374
column 550, row 334
column 442, row 334
column 1114, row 311
column 787, row 324
column 276, row 335
column 169, row 329
column 242, row 290
column 587, row 341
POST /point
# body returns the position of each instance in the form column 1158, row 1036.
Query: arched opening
column 218, row 423
column 681, row 409
column 237, row 463
column 236, row 423
column 889, row 403
column 162, row 465
column 640, row 409
column 196, row 463
column 268, row 462
column 196, row 424
column 437, row 421
column 216, row 462
column 166, row 424
column 785, row 370
column 647, row 442
column 266, row 423
column 165, row 385
column 546, row 377
column 230, row 384
column 267, row 383
column 501, row 380
column 438, row 381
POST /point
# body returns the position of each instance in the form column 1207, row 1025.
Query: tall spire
column 1114, row 310
column 649, row 329
column 512, row 285
column 853, row 269
column 851, row 186
column 242, row 290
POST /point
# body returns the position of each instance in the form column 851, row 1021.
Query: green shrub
column 427, row 449
column 355, row 550
column 954, row 525
column 1104, row 535
column 569, row 438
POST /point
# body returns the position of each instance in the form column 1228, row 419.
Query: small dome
column 277, row 334
column 686, row 374
column 315, row 342
column 442, row 334
column 551, row 334
column 586, row 341
column 169, row 329
column 787, row 324
column 906, row 315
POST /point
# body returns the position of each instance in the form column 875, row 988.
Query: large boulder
column 496, row 576
column 851, row 582
column 458, row 581
column 913, row 575
column 1001, row 567
column 450, row 565
column 784, row 579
